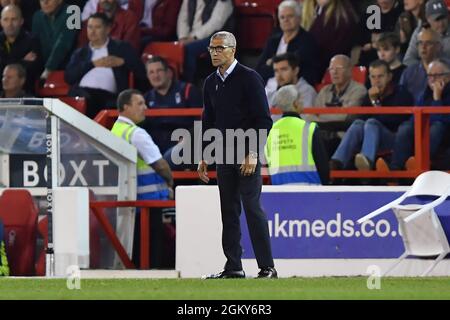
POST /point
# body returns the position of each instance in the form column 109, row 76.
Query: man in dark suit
column 99, row 70
column 292, row 38
column 234, row 98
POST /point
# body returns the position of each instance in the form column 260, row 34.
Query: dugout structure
column 46, row 144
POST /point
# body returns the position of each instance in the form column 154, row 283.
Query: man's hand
column 108, row 62
column 171, row 194
column 186, row 40
column 248, row 166
column 114, row 61
column 202, row 171
column 374, row 93
column 30, row 56
column 45, row 74
column 438, row 87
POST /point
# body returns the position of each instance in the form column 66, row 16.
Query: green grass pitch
column 232, row 289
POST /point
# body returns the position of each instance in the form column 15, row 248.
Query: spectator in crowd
column 154, row 180
column 370, row 134
column 333, row 24
column 168, row 92
column 438, row 18
column 99, row 70
column 125, row 24
column 437, row 93
column 290, row 160
column 292, row 38
column 55, row 39
column 160, row 21
column 197, row 21
column 342, row 92
column 388, row 49
column 92, row 6
column 390, row 11
column 414, row 77
column 412, row 17
column 286, row 69
column 13, row 81
column 28, row 8
column 18, row 46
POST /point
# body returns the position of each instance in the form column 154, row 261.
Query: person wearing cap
column 437, row 16
column 436, row 94
column 294, row 150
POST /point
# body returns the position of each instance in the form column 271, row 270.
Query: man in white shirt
column 197, row 21
column 154, row 180
column 286, row 69
column 101, row 69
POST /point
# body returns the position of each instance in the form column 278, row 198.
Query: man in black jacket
column 18, row 45
column 234, row 100
column 293, row 38
column 101, row 69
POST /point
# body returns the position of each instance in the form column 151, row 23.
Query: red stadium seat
column 20, row 217
column 54, row 86
column 359, row 74
column 256, row 20
column 173, row 52
column 78, row 103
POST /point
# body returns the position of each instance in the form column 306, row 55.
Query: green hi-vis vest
column 289, row 152
column 150, row 185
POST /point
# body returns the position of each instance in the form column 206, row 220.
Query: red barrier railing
column 144, row 206
column 421, row 134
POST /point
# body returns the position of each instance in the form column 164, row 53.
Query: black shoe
column 335, row 164
column 226, row 274
column 268, row 272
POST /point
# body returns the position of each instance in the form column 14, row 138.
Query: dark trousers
column 156, row 239
column 234, row 188
column 96, row 99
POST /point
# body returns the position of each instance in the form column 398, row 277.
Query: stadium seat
column 78, row 103
column 173, row 52
column 20, row 217
column 421, row 228
column 255, row 20
column 54, row 86
column 359, row 74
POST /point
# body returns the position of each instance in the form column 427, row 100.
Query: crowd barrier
column 421, row 134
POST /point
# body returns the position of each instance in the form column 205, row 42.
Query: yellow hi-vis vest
column 289, row 152
column 150, row 185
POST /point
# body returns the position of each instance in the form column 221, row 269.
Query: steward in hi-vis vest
column 294, row 152
column 154, row 175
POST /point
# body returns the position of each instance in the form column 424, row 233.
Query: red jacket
column 125, row 27
column 164, row 20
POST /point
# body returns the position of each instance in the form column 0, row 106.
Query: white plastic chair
column 419, row 226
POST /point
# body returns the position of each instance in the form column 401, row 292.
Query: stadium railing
column 421, row 134
column 145, row 206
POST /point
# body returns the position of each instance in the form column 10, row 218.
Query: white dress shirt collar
column 228, row 72
column 126, row 120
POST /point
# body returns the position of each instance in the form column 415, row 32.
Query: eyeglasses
column 437, row 75
column 426, row 43
column 338, row 68
column 218, row 49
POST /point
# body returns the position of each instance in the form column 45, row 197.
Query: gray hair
column 285, row 97
column 293, row 5
column 228, row 38
column 442, row 61
column 345, row 59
